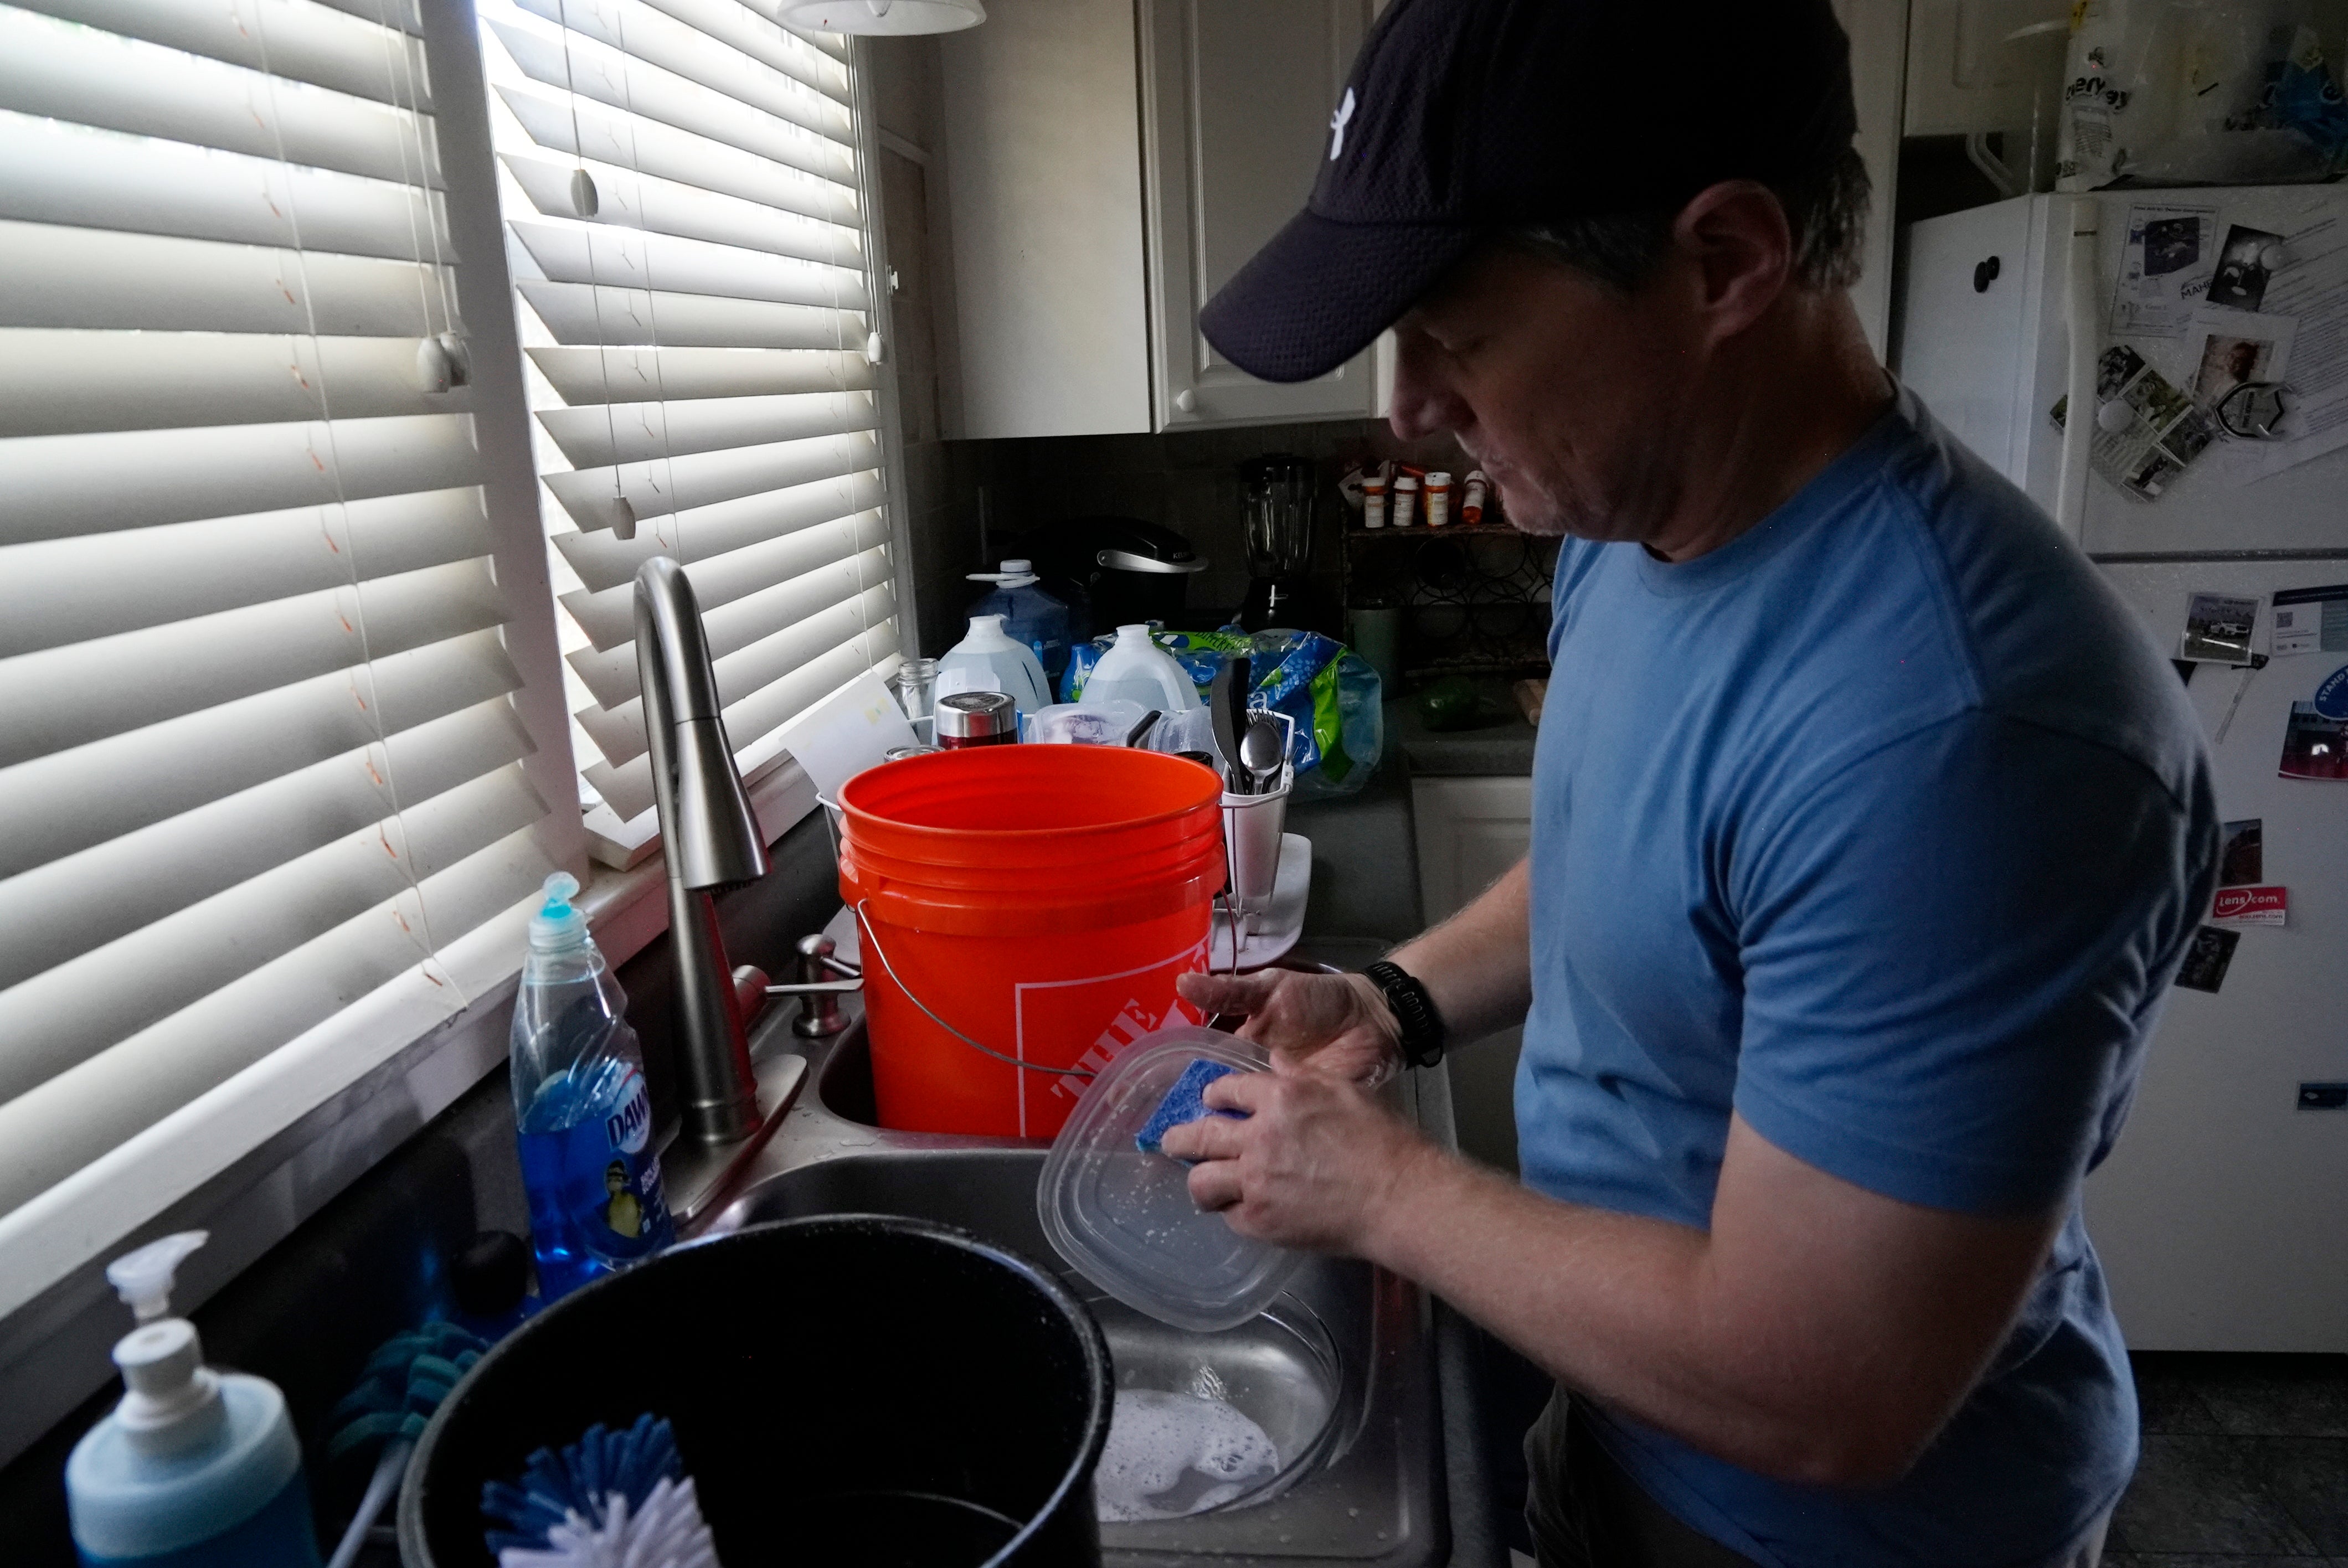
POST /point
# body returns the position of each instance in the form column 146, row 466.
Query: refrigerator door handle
column 2079, row 423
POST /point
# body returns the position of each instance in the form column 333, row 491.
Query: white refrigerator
column 2222, row 1216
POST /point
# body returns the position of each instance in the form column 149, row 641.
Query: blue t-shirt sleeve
column 1952, row 946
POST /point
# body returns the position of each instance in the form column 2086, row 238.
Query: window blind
column 259, row 767
column 687, row 232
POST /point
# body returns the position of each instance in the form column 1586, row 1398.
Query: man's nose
column 1424, row 403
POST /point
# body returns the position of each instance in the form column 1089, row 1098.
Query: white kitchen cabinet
column 1108, row 166
column 1235, row 118
column 1470, row 830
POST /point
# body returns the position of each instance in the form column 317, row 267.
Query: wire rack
column 1475, row 601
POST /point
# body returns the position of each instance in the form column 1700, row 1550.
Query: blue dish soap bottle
column 1030, row 615
column 194, row 1469
column 584, row 1117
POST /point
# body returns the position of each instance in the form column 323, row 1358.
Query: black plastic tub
column 852, row 1389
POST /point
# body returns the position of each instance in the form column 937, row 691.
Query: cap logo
column 1337, row 123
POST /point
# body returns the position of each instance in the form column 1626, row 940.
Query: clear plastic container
column 1124, row 1219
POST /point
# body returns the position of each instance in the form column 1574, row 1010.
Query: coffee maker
column 1276, row 502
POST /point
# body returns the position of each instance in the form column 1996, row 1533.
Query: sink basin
column 1339, row 1371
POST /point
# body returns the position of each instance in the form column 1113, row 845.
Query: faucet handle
column 750, row 992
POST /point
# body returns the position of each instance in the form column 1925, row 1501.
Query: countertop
column 1502, row 747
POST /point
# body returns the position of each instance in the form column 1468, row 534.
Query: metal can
column 976, row 719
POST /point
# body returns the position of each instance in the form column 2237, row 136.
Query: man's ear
column 1735, row 237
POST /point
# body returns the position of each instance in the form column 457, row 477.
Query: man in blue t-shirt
column 1868, row 826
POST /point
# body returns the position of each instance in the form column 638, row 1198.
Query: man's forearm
column 1818, row 1333
column 1477, row 965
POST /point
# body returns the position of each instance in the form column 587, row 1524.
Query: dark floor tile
column 2204, row 1560
column 2308, row 1476
column 2169, row 1394
column 2203, row 1494
column 2275, row 1396
column 2210, row 1559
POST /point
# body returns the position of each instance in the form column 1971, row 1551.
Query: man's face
column 1570, row 394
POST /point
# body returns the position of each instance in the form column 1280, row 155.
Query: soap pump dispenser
column 194, row 1469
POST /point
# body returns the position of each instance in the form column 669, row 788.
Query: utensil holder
column 1253, row 824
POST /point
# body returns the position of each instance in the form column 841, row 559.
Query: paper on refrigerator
column 2311, row 286
column 2171, row 253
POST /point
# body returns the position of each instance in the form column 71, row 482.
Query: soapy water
column 1173, row 1455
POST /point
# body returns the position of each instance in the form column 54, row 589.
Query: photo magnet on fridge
column 2207, row 960
column 2314, row 746
column 2241, row 853
column 2241, row 277
column 2218, row 628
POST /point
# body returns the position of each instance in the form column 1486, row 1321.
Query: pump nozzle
column 143, row 1277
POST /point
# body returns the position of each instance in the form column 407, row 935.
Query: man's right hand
column 1340, row 1022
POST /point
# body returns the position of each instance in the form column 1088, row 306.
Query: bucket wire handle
column 871, row 939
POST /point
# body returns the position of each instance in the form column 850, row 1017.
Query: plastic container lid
column 1124, row 1219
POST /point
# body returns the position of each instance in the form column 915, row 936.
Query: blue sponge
column 1183, row 1103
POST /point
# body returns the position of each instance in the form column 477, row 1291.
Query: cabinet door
column 1049, row 317
column 1236, row 102
column 1470, row 832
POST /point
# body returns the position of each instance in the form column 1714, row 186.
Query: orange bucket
column 1024, row 911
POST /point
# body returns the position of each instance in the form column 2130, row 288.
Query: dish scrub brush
column 403, row 1383
column 612, row 1499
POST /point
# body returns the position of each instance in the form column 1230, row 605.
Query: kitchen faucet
column 711, row 840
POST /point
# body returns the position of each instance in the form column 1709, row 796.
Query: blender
column 1276, row 503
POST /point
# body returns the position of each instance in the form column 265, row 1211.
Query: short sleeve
column 1953, row 947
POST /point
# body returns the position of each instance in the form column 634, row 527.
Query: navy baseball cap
column 1465, row 117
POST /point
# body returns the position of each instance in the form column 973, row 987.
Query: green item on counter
column 1454, row 703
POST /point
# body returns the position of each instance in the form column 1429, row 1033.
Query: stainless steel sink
column 1368, row 1485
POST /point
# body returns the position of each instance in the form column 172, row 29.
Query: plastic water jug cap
column 559, row 925
column 143, row 1276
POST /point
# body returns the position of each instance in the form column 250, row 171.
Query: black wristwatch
column 1423, row 1034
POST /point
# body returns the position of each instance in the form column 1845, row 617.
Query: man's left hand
column 1310, row 1167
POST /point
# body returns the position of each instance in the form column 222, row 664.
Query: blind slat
column 70, row 800
column 52, row 486
column 739, row 26
column 73, row 590
column 581, row 313
column 627, row 788
column 628, row 373
column 68, row 696
column 600, row 437
column 628, row 258
column 626, row 199
column 69, row 381
column 604, row 561
column 609, row 617
column 72, row 73
column 302, row 963
column 703, row 478
column 66, row 277
column 571, row 63
column 304, row 43
column 644, row 33
column 54, row 173
column 591, row 131
column 737, row 622
column 619, row 733
column 52, row 915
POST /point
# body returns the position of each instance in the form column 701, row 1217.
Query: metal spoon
column 1260, row 752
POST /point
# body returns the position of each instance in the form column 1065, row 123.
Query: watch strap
column 1423, row 1033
